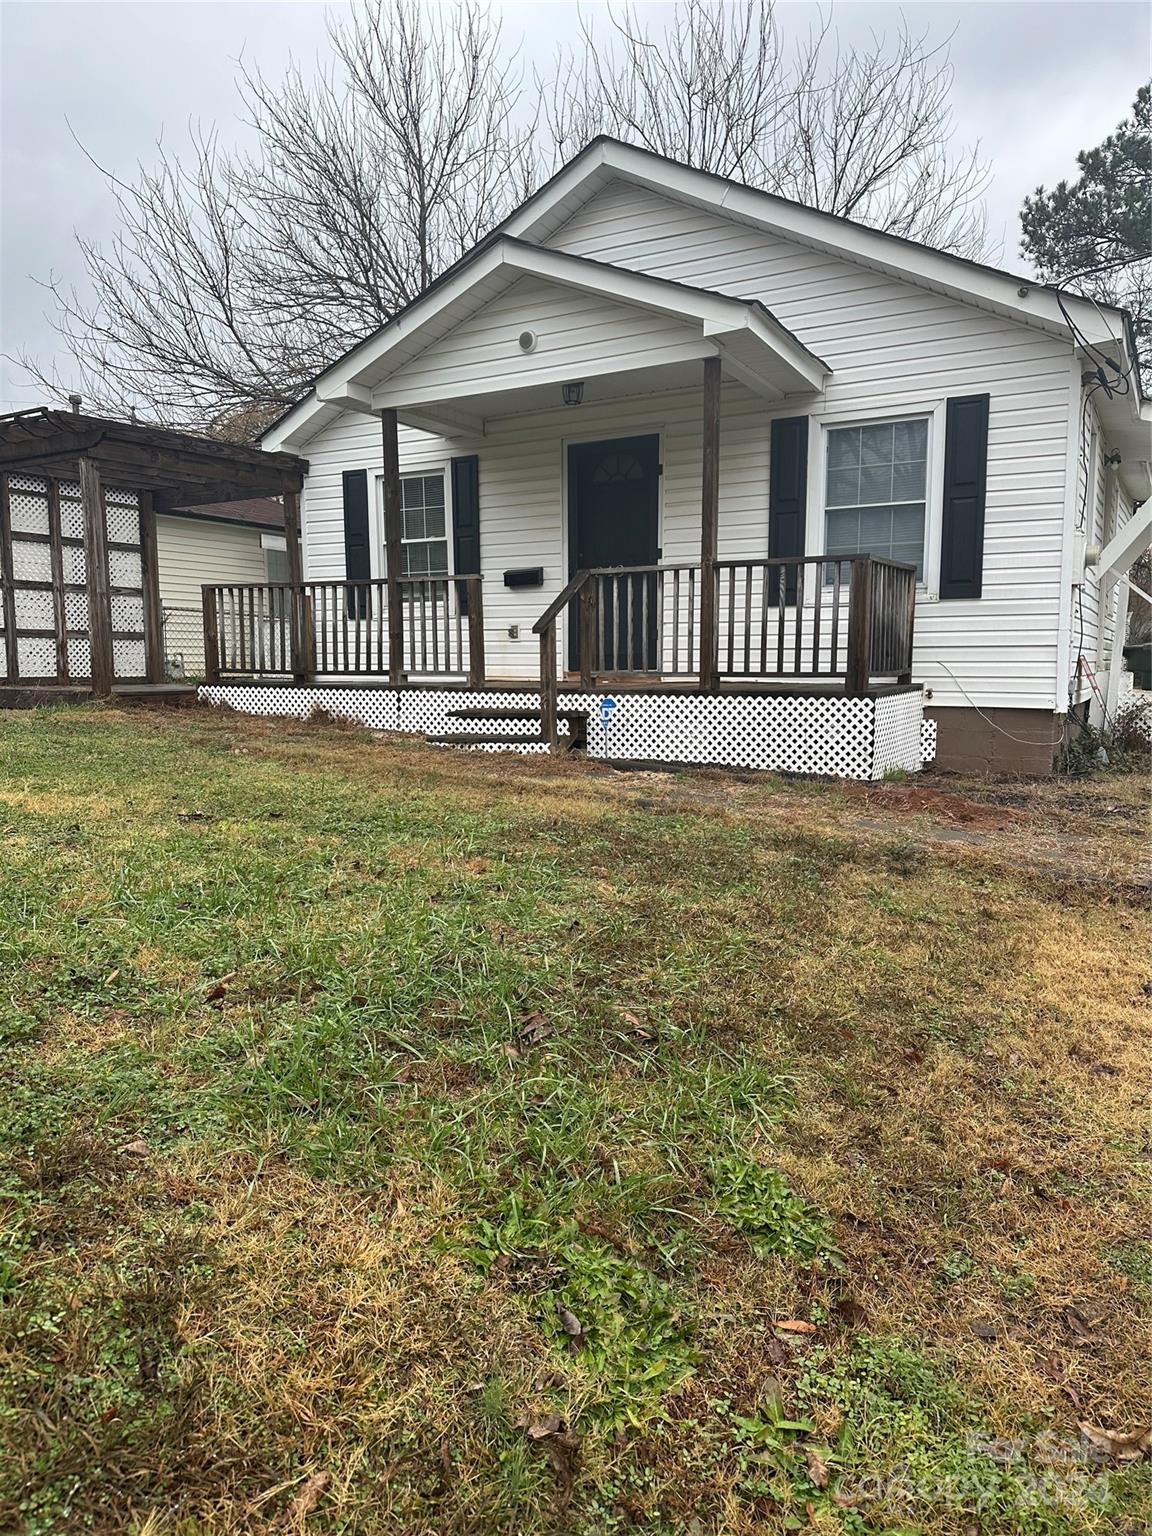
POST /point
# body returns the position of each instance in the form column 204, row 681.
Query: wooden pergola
column 165, row 469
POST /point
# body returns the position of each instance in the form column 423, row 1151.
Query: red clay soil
column 939, row 804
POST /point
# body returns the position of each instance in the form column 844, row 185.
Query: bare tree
column 235, row 277
column 864, row 133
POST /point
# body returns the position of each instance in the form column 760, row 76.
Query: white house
column 726, row 395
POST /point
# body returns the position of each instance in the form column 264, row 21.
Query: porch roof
column 400, row 366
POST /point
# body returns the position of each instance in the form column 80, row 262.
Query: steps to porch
column 575, row 734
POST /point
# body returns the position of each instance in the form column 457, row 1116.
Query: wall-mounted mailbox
column 525, row 576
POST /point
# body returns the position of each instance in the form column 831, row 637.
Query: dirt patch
column 941, row 805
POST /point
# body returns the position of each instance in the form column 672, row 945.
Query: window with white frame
column 875, row 490
column 424, row 526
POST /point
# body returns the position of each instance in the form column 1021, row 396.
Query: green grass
column 366, row 1106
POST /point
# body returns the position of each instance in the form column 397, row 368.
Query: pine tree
column 1096, row 232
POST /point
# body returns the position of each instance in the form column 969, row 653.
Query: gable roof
column 756, row 347
column 606, row 159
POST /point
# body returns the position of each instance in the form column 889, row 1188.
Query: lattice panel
column 124, row 568
column 128, row 614
column 34, row 610
column 927, row 741
column 898, row 721
column 71, row 519
column 793, row 735
column 123, row 521
column 832, row 736
column 29, row 511
column 76, row 610
column 31, row 562
column 35, row 483
column 79, row 657
column 128, row 658
column 74, row 564
column 37, row 658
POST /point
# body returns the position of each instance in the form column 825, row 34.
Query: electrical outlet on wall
column 513, row 631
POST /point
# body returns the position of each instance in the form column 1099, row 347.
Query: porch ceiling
column 454, row 358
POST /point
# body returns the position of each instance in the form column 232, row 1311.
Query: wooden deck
column 37, row 695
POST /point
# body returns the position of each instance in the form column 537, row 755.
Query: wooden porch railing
column 819, row 618
column 343, row 628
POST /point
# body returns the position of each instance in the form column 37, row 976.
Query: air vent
column 527, row 341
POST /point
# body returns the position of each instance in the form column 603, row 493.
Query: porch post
column 292, row 534
column 300, row 631
column 150, row 577
column 103, row 666
column 393, row 536
column 709, row 526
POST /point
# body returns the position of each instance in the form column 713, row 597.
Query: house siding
column 893, row 347
column 193, row 552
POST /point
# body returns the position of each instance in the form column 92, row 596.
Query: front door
column 613, row 520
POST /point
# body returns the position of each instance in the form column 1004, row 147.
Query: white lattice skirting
column 846, row 738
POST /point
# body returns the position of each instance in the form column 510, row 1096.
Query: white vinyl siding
column 576, row 333
column 191, row 553
column 897, row 346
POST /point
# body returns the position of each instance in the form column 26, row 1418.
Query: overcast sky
column 1035, row 82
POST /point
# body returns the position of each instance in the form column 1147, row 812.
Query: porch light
column 574, row 393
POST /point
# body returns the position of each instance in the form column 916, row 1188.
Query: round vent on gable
column 527, row 341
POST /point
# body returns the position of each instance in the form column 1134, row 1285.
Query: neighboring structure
column 82, row 502
column 230, row 541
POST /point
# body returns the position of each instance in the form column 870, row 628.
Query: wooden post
column 7, row 590
column 709, row 526
column 208, row 600
column 103, row 664
column 587, row 601
column 292, row 534
column 302, row 670
column 859, row 663
column 150, row 581
column 475, row 632
column 393, row 539
column 549, row 722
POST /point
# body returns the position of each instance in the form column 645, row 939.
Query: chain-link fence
column 183, row 643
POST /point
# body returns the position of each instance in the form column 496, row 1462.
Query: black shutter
column 357, row 541
column 787, row 498
column 965, row 481
column 466, row 520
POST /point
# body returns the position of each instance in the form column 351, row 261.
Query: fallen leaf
column 541, row 1428
column 796, row 1325
column 570, row 1322
column 512, row 1052
column 309, row 1495
column 194, row 816
column 136, row 1149
column 817, row 1467
column 535, row 1028
column 1117, row 1444
column 216, row 992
